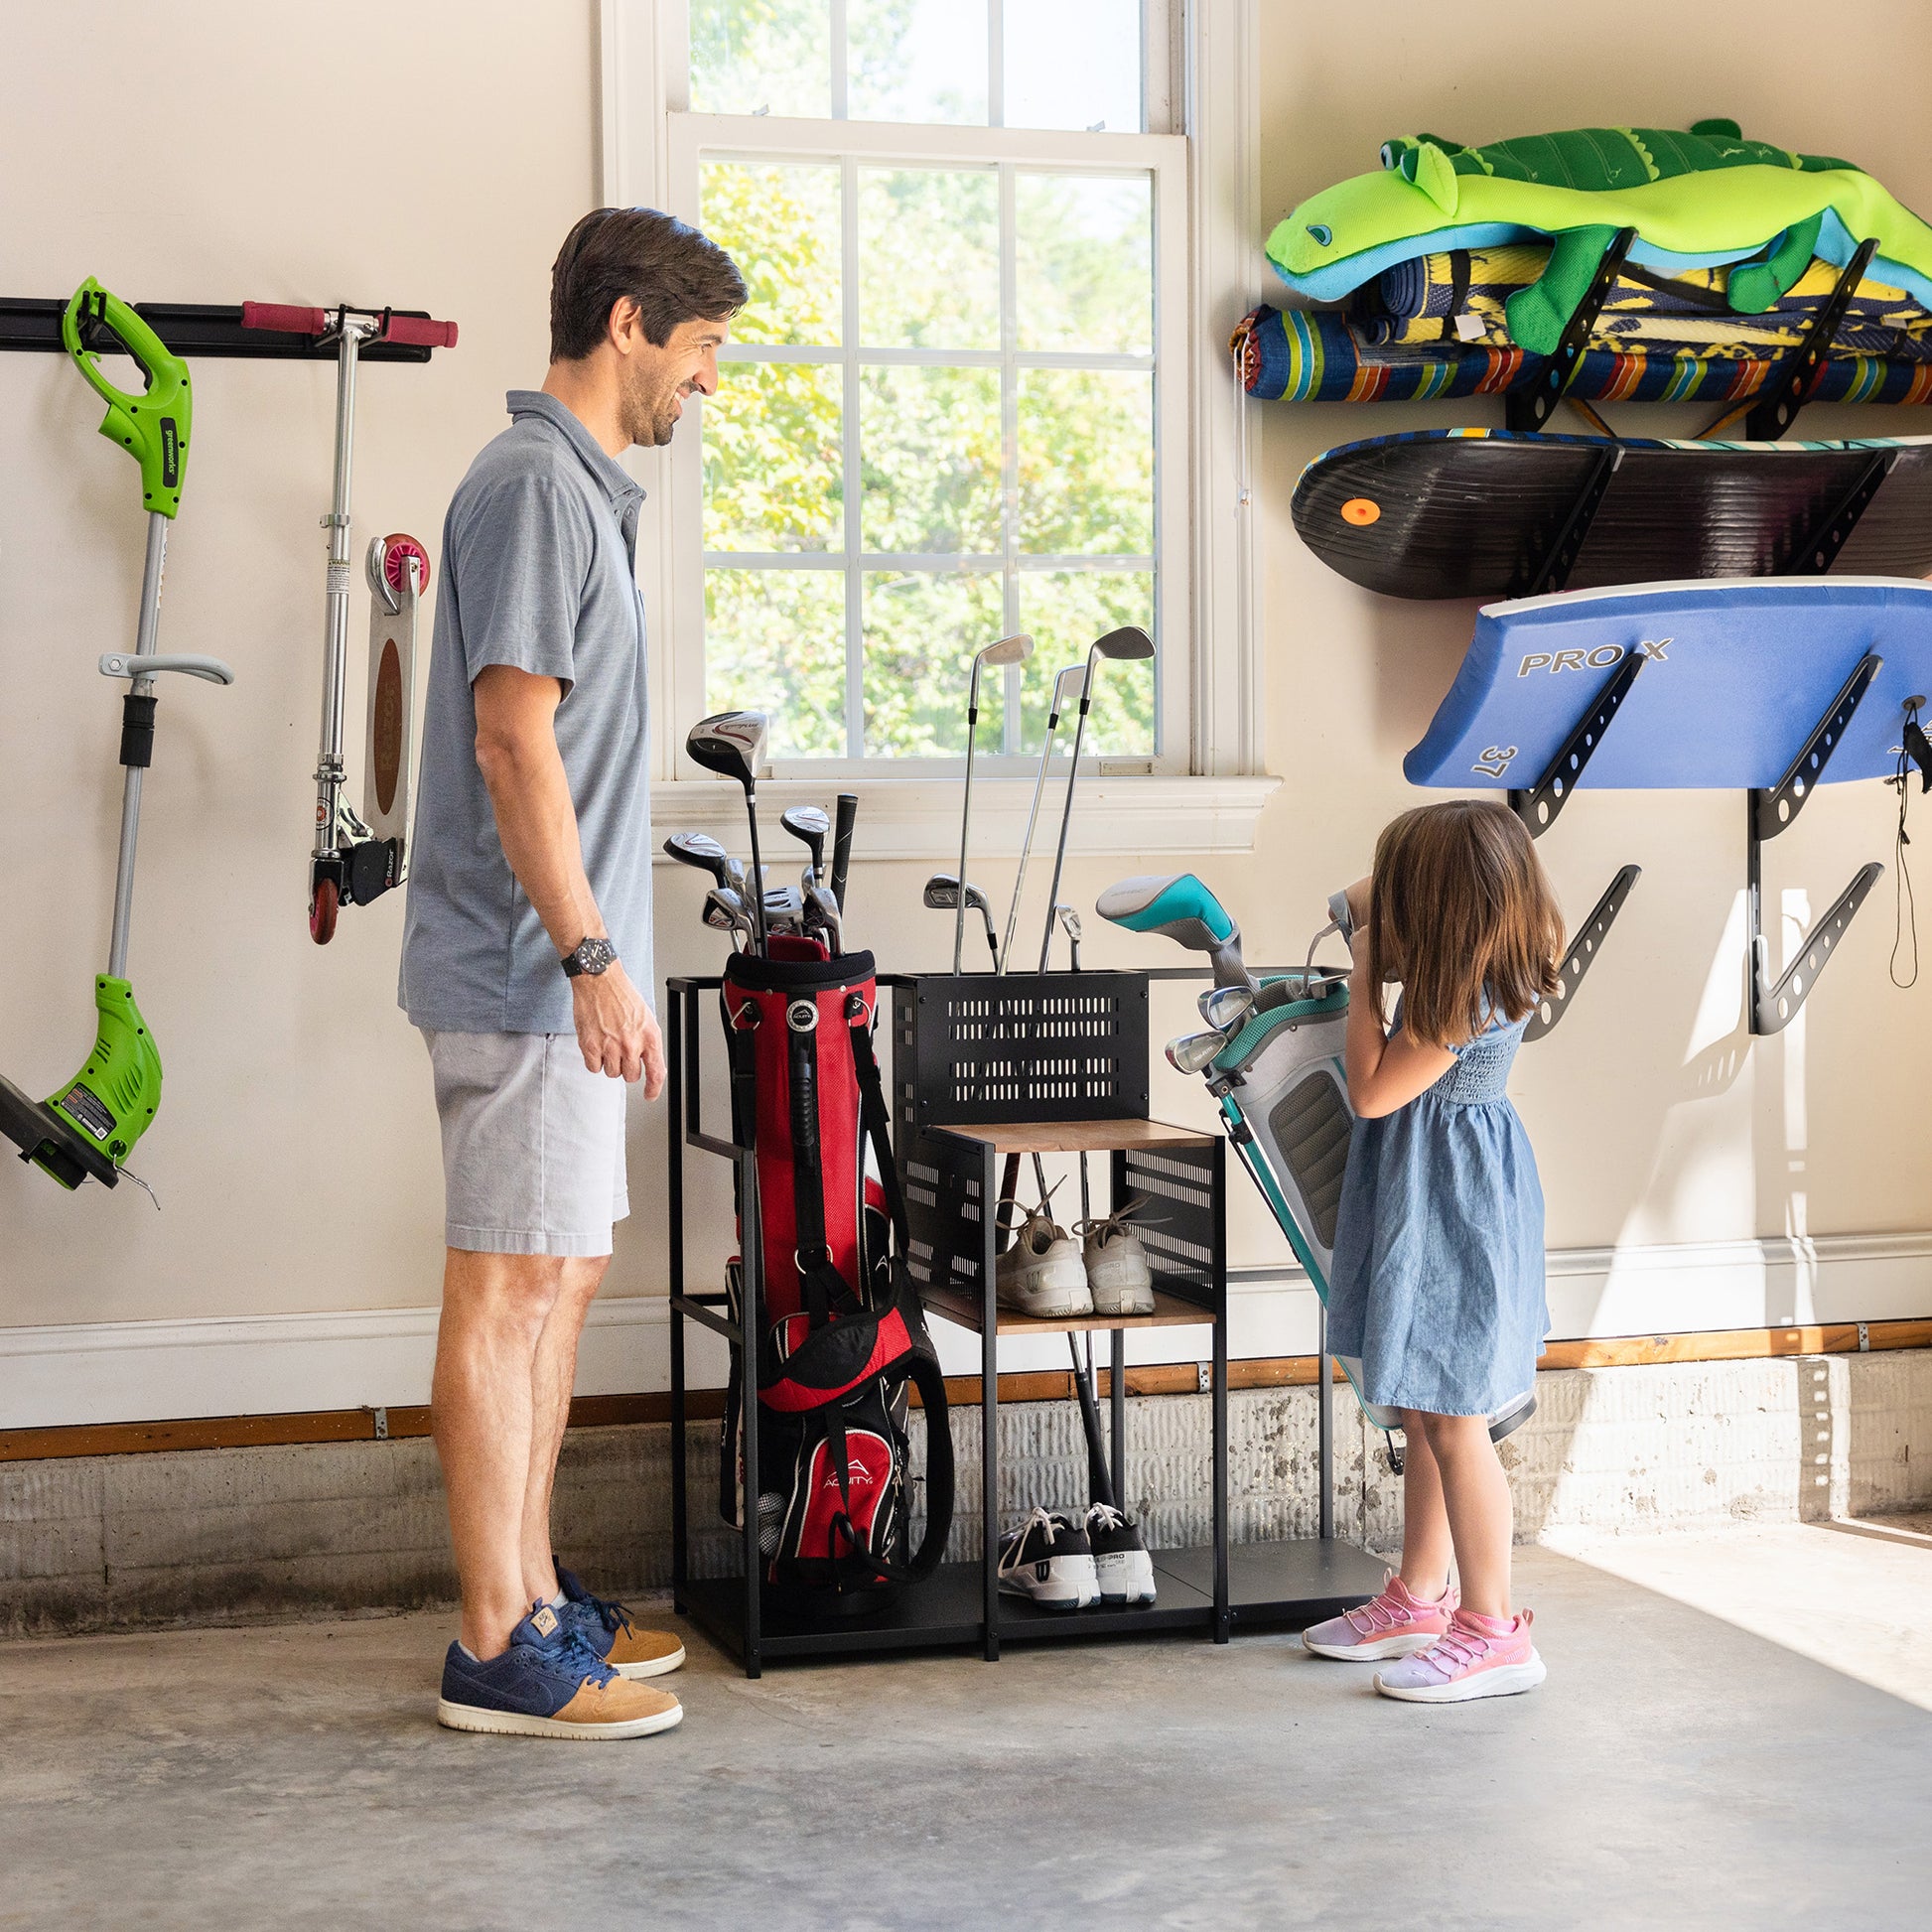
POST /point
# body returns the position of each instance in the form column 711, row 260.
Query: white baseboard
column 152, row 1371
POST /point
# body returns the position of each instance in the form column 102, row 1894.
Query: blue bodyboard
column 1737, row 676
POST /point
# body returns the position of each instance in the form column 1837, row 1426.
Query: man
column 529, row 913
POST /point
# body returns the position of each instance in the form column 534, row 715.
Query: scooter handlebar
column 420, row 331
column 284, row 316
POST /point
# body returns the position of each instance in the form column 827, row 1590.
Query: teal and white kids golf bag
column 1272, row 1057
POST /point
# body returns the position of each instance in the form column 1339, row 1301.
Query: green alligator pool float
column 1696, row 200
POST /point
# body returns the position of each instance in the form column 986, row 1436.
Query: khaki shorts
column 533, row 1145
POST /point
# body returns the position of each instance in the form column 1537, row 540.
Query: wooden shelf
column 1074, row 1136
column 961, row 1306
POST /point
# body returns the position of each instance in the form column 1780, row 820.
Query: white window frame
column 1209, row 785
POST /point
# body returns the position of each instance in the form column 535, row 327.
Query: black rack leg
column 1223, row 1615
column 1324, row 1418
column 1117, row 1416
column 989, row 1410
column 751, row 1267
column 674, row 1123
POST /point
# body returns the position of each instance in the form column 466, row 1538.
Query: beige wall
column 433, row 155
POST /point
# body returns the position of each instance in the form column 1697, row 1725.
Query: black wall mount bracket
column 1775, row 1004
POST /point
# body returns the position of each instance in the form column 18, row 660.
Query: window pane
column 780, row 224
column 928, row 258
column 1074, row 63
column 916, row 61
column 1086, row 463
column 1085, row 263
column 921, row 631
column 1067, row 610
column 761, row 57
column 929, row 460
column 775, row 642
column 772, row 458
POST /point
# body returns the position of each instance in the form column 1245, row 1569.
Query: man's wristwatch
column 592, row 957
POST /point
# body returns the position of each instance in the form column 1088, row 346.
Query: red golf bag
column 842, row 1332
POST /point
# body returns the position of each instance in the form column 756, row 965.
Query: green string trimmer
column 88, row 1126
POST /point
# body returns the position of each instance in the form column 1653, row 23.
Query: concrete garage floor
column 1678, row 1769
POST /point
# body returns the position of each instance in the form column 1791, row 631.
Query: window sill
column 918, row 818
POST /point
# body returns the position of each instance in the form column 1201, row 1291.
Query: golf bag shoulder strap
column 826, row 1289
column 878, row 1121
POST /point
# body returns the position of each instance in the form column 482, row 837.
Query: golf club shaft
column 1026, row 843
column 1066, row 817
column 148, row 629
column 965, row 819
column 1100, row 1486
column 756, row 893
column 848, row 817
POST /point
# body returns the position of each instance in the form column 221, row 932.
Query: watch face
column 592, row 957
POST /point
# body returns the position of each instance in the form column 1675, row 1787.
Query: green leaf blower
column 90, row 1125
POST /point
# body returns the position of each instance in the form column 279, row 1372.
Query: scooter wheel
column 324, row 903
column 396, row 549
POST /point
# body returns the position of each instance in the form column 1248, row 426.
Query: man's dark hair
column 672, row 272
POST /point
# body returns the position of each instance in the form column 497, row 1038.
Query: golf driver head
column 730, row 742
column 1226, row 1008
column 1179, row 905
column 810, row 825
column 701, row 850
column 1194, row 1052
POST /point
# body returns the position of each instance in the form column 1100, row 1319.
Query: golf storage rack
column 983, row 1068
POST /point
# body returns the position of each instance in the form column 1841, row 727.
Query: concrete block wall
column 212, row 1536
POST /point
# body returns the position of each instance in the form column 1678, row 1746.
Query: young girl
column 1439, row 1252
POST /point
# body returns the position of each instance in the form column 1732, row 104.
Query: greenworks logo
column 170, row 454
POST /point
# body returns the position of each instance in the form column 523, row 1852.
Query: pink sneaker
column 1480, row 1657
column 1390, row 1625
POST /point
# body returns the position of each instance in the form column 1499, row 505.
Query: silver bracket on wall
column 1776, row 1003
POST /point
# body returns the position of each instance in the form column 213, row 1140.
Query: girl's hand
column 1358, row 897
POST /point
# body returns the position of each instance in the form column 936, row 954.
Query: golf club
column 1179, row 905
column 842, row 844
column 1192, row 1051
column 701, row 850
column 732, row 744
column 1054, row 707
column 724, row 910
column 1070, row 924
column 785, row 909
column 1007, row 651
column 810, row 825
column 822, row 915
column 1128, row 642
column 942, row 894
column 1226, row 1008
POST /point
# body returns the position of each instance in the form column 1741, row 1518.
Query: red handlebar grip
column 280, row 315
column 419, row 331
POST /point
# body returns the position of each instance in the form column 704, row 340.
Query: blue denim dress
column 1438, row 1283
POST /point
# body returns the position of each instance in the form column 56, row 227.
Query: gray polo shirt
column 538, row 571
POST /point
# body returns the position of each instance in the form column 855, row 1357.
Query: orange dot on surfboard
column 1360, row 510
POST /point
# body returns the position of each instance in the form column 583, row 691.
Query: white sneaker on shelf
column 1118, row 1275
column 1048, row 1558
column 1120, row 1558
column 1042, row 1273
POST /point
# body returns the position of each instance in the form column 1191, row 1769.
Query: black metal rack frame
column 1214, row 1589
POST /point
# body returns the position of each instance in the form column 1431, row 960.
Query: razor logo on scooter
column 1599, row 659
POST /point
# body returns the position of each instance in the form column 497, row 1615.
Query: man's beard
column 651, row 415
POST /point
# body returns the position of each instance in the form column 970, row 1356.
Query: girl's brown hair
column 1461, row 913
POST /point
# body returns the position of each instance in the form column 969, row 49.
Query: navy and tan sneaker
column 549, row 1682
column 1120, row 1559
column 628, row 1648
